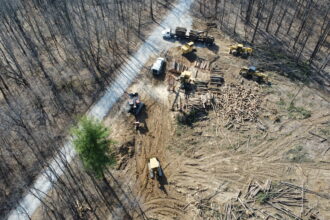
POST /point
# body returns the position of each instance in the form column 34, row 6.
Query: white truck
column 158, row 67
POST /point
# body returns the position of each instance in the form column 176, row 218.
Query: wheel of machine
column 248, row 76
column 235, row 53
column 259, row 79
column 245, row 55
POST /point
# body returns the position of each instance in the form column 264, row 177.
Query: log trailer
column 180, row 33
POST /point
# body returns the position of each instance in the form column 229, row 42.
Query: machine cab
column 167, row 33
column 252, row 69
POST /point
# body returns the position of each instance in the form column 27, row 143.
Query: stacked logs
column 202, row 64
column 177, row 67
column 236, row 104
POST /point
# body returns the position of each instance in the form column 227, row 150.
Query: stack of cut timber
column 236, row 104
column 216, row 70
column 202, row 64
column 193, row 35
column 216, row 80
column 200, row 102
column 201, row 86
column 177, row 67
column 194, row 72
column 180, row 31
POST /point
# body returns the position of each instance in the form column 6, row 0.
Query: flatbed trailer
column 192, row 35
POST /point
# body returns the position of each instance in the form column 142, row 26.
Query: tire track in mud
column 157, row 197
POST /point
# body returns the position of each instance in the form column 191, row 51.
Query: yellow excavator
column 252, row 73
column 187, row 48
column 240, row 50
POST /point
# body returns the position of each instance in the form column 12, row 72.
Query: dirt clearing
column 262, row 152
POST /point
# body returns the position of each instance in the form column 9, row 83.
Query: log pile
column 180, row 31
column 236, row 104
column 194, row 35
column 216, row 81
column 216, row 70
column 201, row 102
column 201, row 86
column 177, row 67
column 202, row 64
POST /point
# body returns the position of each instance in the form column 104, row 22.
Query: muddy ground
column 288, row 142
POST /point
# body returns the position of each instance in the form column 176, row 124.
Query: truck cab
column 167, row 33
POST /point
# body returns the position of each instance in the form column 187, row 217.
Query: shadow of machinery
column 192, row 56
column 189, row 118
column 142, row 118
column 212, row 47
column 162, row 182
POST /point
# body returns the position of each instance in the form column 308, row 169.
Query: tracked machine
column 187, row 48
column 252, row 73
column 187, row 81
column 240, row 50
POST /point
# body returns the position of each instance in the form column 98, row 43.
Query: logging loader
column 187, row 48
column 240, row 50
column 154, row 168
column 186, row 80
column 252, row 73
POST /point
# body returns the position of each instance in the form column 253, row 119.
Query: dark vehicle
column 135, row 105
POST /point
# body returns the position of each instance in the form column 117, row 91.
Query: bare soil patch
column 210, row 168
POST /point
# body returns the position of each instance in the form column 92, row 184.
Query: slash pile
column 269, row 200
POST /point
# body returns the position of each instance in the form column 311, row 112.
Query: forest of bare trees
column 57, row 56
column 55, row 59
column 300, row 28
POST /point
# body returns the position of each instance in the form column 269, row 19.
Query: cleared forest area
column 56, row 59
column 286, row 34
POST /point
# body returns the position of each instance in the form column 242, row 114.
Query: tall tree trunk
column 249, row 12
column 281, row 20
column 306, row 16
column 259, row 17
column 151, row 10
column 271, row 15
